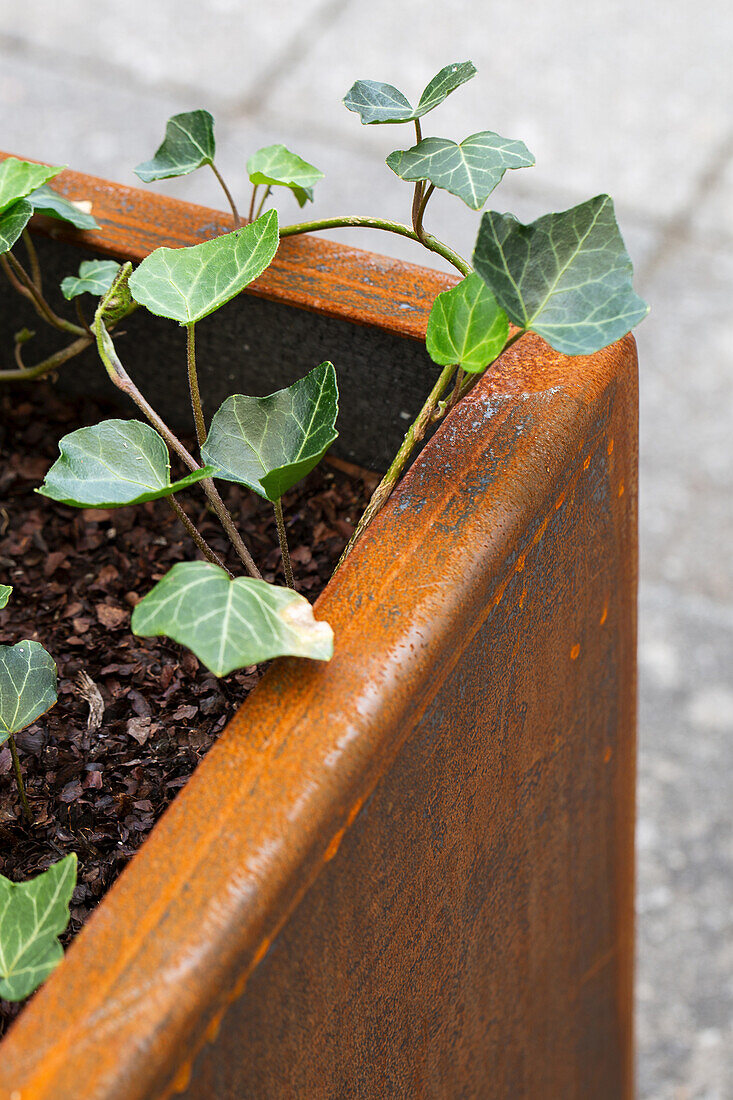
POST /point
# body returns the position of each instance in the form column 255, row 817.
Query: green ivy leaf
column 471, row 170
column 33, row 915
column 112, row 464
column 19, row 177
column 231, row 623
column 45, row 200
column 95, row 277
column 466, row 326
column 188, row 144
column 270, row 443
column 375, row 102
column 27, row 685
column 566, row 276
column 186, row 284
column 5, row 591
column 12, row 223
column 276, row 166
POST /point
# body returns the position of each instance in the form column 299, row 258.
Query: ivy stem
column 27, row 374
column 283, row 539
column 196, row 535
column 414, row 434
column 419, row 186
column 263, row 200
column 227, row 192
column 19, row 779
column 421, row 212
column 33, row 261
column 193, row 385
column 119, row 376
column 23, row 283
column 428, row 240
column 255, row 188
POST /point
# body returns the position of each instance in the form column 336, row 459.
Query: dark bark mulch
column 76, row 577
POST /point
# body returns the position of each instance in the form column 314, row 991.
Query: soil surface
column 134, row 715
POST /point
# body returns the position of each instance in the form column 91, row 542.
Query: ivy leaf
column 27, row 685
column 112, row 464
column 270, row 443
column 33, row 915
column 230, row 623
column 466, row 326
column 276, row 166
column 45, row 200
column 375, row 102
column 188, row 144
column 566, row 276
column 471, row 170
column 12, row 223
column 19, row 177
column 186, row 284
column 5, row 591
column 95, row 277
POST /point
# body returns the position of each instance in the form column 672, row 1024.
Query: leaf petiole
column 19, row 780
column 283, row 540
column 235, row 213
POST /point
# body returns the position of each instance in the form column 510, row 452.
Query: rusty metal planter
column 408, row 873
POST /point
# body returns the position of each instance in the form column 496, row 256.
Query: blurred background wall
column 632, row 97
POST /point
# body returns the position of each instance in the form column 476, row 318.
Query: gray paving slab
column 685, row 847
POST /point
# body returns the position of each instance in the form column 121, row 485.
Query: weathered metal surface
column 313, row 274
column 408, row 873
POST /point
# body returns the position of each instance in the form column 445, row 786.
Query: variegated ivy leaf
column 566, row 276
column 33, row 915
column 466, row 326
column 5, row 591
column 231, row 623
column 270, row 443
column 276, row 166
column 186, row 284
column 95, row 277
column 112, row 464
column 27, row 685
column 12, row 223
column 471, row 170
column 375, row 102
column 188, row 144
column 19, row 177
column 45, row 200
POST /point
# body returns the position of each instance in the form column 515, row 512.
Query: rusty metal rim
column 309, row 272
column 176, row 967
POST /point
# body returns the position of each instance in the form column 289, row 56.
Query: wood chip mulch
column 134, row 715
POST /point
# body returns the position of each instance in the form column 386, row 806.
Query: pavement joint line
column 63, row 63
column 678, row 231
column 294, row 50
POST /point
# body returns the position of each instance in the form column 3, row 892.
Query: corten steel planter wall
column 408, row 873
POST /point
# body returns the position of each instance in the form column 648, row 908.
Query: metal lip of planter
column 408, row 872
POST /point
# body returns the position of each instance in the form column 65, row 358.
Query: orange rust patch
column 586, row 464
column 334, row 846
column 560, row 501
column 182, row 1079
column 609, row 448
column 575, row 653
column 520, row 563
column 523, row 597
column 354, row 812
column 607, row 754
column 261, row 952
column 621, row 489
column 604, row 614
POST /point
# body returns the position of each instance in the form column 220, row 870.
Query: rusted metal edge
column 308, row 272
column 145, row 984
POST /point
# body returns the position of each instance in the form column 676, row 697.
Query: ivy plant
column 33, row 915
column 28, row 683
column 566, row 277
